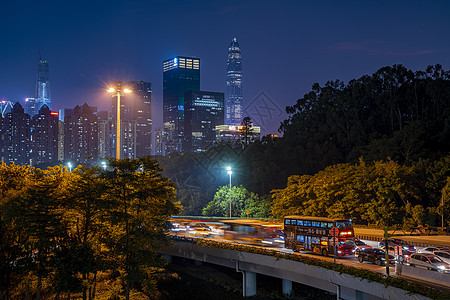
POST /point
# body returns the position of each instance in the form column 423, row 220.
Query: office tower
column 105, row 134
column 16, row 136
column 81, row 135
column 43, row 85
column 203, row 111
column 233, row 95
column 44, row 137
column 164, row 139
column 180, row 74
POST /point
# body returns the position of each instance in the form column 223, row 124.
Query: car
column 373, row 255
column 361, row 245
column 443, row 254
column 357, row 244
column 398, row 242
column 405, row 254
column 429, row 261
column 430, row 250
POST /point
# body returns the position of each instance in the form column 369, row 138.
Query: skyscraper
column 141, row 99
column 43, row 85
column 81, row 135
column 136, row 120
column 180, row 74
column 233, row 95
column 203, row 111
column 44, row 137
column 16, row 136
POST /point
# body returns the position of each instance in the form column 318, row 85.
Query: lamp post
column 117, row 90
column 104, row 165
column 70, row 167
column 229, row 173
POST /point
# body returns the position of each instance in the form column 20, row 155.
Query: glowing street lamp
column 104, row 165
column 117, row 90
column 229, row 173
column 70, row 167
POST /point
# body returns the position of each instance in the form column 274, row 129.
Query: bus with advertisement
column 319, row 235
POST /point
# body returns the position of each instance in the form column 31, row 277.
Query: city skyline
column 286, row 49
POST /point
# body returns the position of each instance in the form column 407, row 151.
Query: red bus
column 314, row 234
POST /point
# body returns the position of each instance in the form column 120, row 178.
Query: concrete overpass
column 249, row 264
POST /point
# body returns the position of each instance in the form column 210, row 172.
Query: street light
column 117, row 90
column 70, row 167
column 229, row 173
column 104, row 165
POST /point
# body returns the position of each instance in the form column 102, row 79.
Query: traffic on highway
column 328, row 239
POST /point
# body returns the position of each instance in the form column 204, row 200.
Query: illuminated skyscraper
column 42, row 86
column 180, row 74
column 203, row 111
column 233, row 94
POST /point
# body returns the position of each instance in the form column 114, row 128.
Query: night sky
column 286, row 46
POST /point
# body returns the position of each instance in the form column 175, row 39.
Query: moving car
column 398, row 242
column 443, row 254
column 429, row 261
column 373, row 255
column 405, row 254
column 432, row 249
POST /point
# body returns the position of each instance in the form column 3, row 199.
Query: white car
column 443, row 254
column 432, row 249
column 429, row 261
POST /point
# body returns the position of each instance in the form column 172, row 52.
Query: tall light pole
column 117, row 90
column 70, row 167
column 229, row 173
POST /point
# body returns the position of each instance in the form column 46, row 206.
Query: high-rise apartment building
column 233, row 94
column 105, row 134
column 81, row 135
column 180, row 74
column 15, row 136
column 203, row 111
column 136, row 120
column 141, row 98
column 44, row 137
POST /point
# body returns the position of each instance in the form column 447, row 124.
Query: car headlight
column 441, row 267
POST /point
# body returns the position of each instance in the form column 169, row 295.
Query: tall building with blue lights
column 233, row 94
column 180, row 74
column 42, row 86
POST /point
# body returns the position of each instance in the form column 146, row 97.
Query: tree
column 241, row 201
column 143, row 201
column 246, row 130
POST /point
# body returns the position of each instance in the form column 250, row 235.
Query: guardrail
column 378, row 239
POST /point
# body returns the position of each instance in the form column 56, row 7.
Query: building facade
column 136, row 120
column 15, row 136
column 233, row 94
column 203, row 111
column 180, row 74
column 44, row 137
column 43, row 85
column 81, row 135
column 235, row 134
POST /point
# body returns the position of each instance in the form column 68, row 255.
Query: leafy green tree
column 144, row 202
column 242, row 201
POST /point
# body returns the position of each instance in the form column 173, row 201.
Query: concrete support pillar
column 249, row 280
column 287, row 287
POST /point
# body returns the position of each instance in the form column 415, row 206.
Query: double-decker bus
column 313, row 234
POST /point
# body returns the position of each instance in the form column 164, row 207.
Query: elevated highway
column 250, row 264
